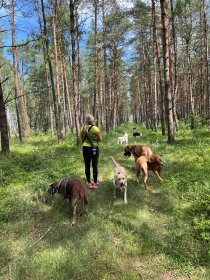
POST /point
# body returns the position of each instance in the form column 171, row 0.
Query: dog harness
column 65, row 187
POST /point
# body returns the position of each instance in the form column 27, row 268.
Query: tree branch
column 20, row 45
column 7, row 101
column 4, row 80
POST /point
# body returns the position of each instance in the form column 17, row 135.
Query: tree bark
column 175, row 83
column 206, row 60
column 75, row 92
column 5, row 150
column 46, row 40
column 96, row 97
column 166, row 58
column 15, row 69
column 106, row 89
column 46, row 70
column 54, row 11
column 154, row 67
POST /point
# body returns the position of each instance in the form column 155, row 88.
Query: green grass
column 162, row 233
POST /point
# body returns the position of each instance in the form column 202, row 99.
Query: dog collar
column 134, row 153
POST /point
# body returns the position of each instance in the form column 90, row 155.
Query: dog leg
column 138, row 172
column 84, row 205
column 125, row 194
column 157, row 174
column 145, row 178
column 74, row 208
column 114, row 188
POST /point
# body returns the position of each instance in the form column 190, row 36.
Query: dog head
column 53, row 188
column 155, row 159
column 127, row 151
column 120, row 180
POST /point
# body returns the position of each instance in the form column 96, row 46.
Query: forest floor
column 154, row 236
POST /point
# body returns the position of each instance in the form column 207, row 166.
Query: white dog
column 123, row 139
column 119, row 180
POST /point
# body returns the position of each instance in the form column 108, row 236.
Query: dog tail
column 115, row 163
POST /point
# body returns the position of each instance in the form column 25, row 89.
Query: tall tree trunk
column 154, row 67
column 190, row 89
column 78, row 63
column 23, row 106
column 3, row 125
column 166, row 58
column 73, row 49
column 106, row 89
column 145, row 87
column 175, row 84
column 206, row 60
column 54, row 25
column 15, row 69
column 95, row 105
column 46, row 70
column 46, row 40
column 161, row 88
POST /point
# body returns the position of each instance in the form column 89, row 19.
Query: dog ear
column 152, row 159
column 160, row 161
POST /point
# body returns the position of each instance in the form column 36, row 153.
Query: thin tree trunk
column 175, row 84
column 154, row 66
column 73, row 49
column 95, row 105
column 54, row 11
column 145, row 88
column 206, row 59
column 50, row 67
column 166, row 58
column 106, row 89
column 15, row 69
column 46, row 70
column 78, row 64
column 5, row 150
column 23, row 103
column 192, row 101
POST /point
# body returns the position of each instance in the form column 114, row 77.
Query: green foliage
column 200, row 208
column 162, row 232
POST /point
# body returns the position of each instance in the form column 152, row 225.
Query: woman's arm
column 99, row 136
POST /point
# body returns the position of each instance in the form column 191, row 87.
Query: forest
column 147, row 61
column 132, row 64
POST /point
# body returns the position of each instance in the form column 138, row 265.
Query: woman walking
column 91, row 135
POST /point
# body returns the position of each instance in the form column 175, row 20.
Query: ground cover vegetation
column 162, row 233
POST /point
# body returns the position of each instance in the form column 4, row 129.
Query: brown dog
column 145, row 163
column 74, row 190
column 137, row 151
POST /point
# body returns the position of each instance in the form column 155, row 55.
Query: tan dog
column 119, row 180
column 74, row 190
column 137, row 151
column 145, row 163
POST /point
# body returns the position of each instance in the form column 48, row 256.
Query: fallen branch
column 43, row 235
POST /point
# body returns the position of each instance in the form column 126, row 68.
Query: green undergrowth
column 162, row 233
